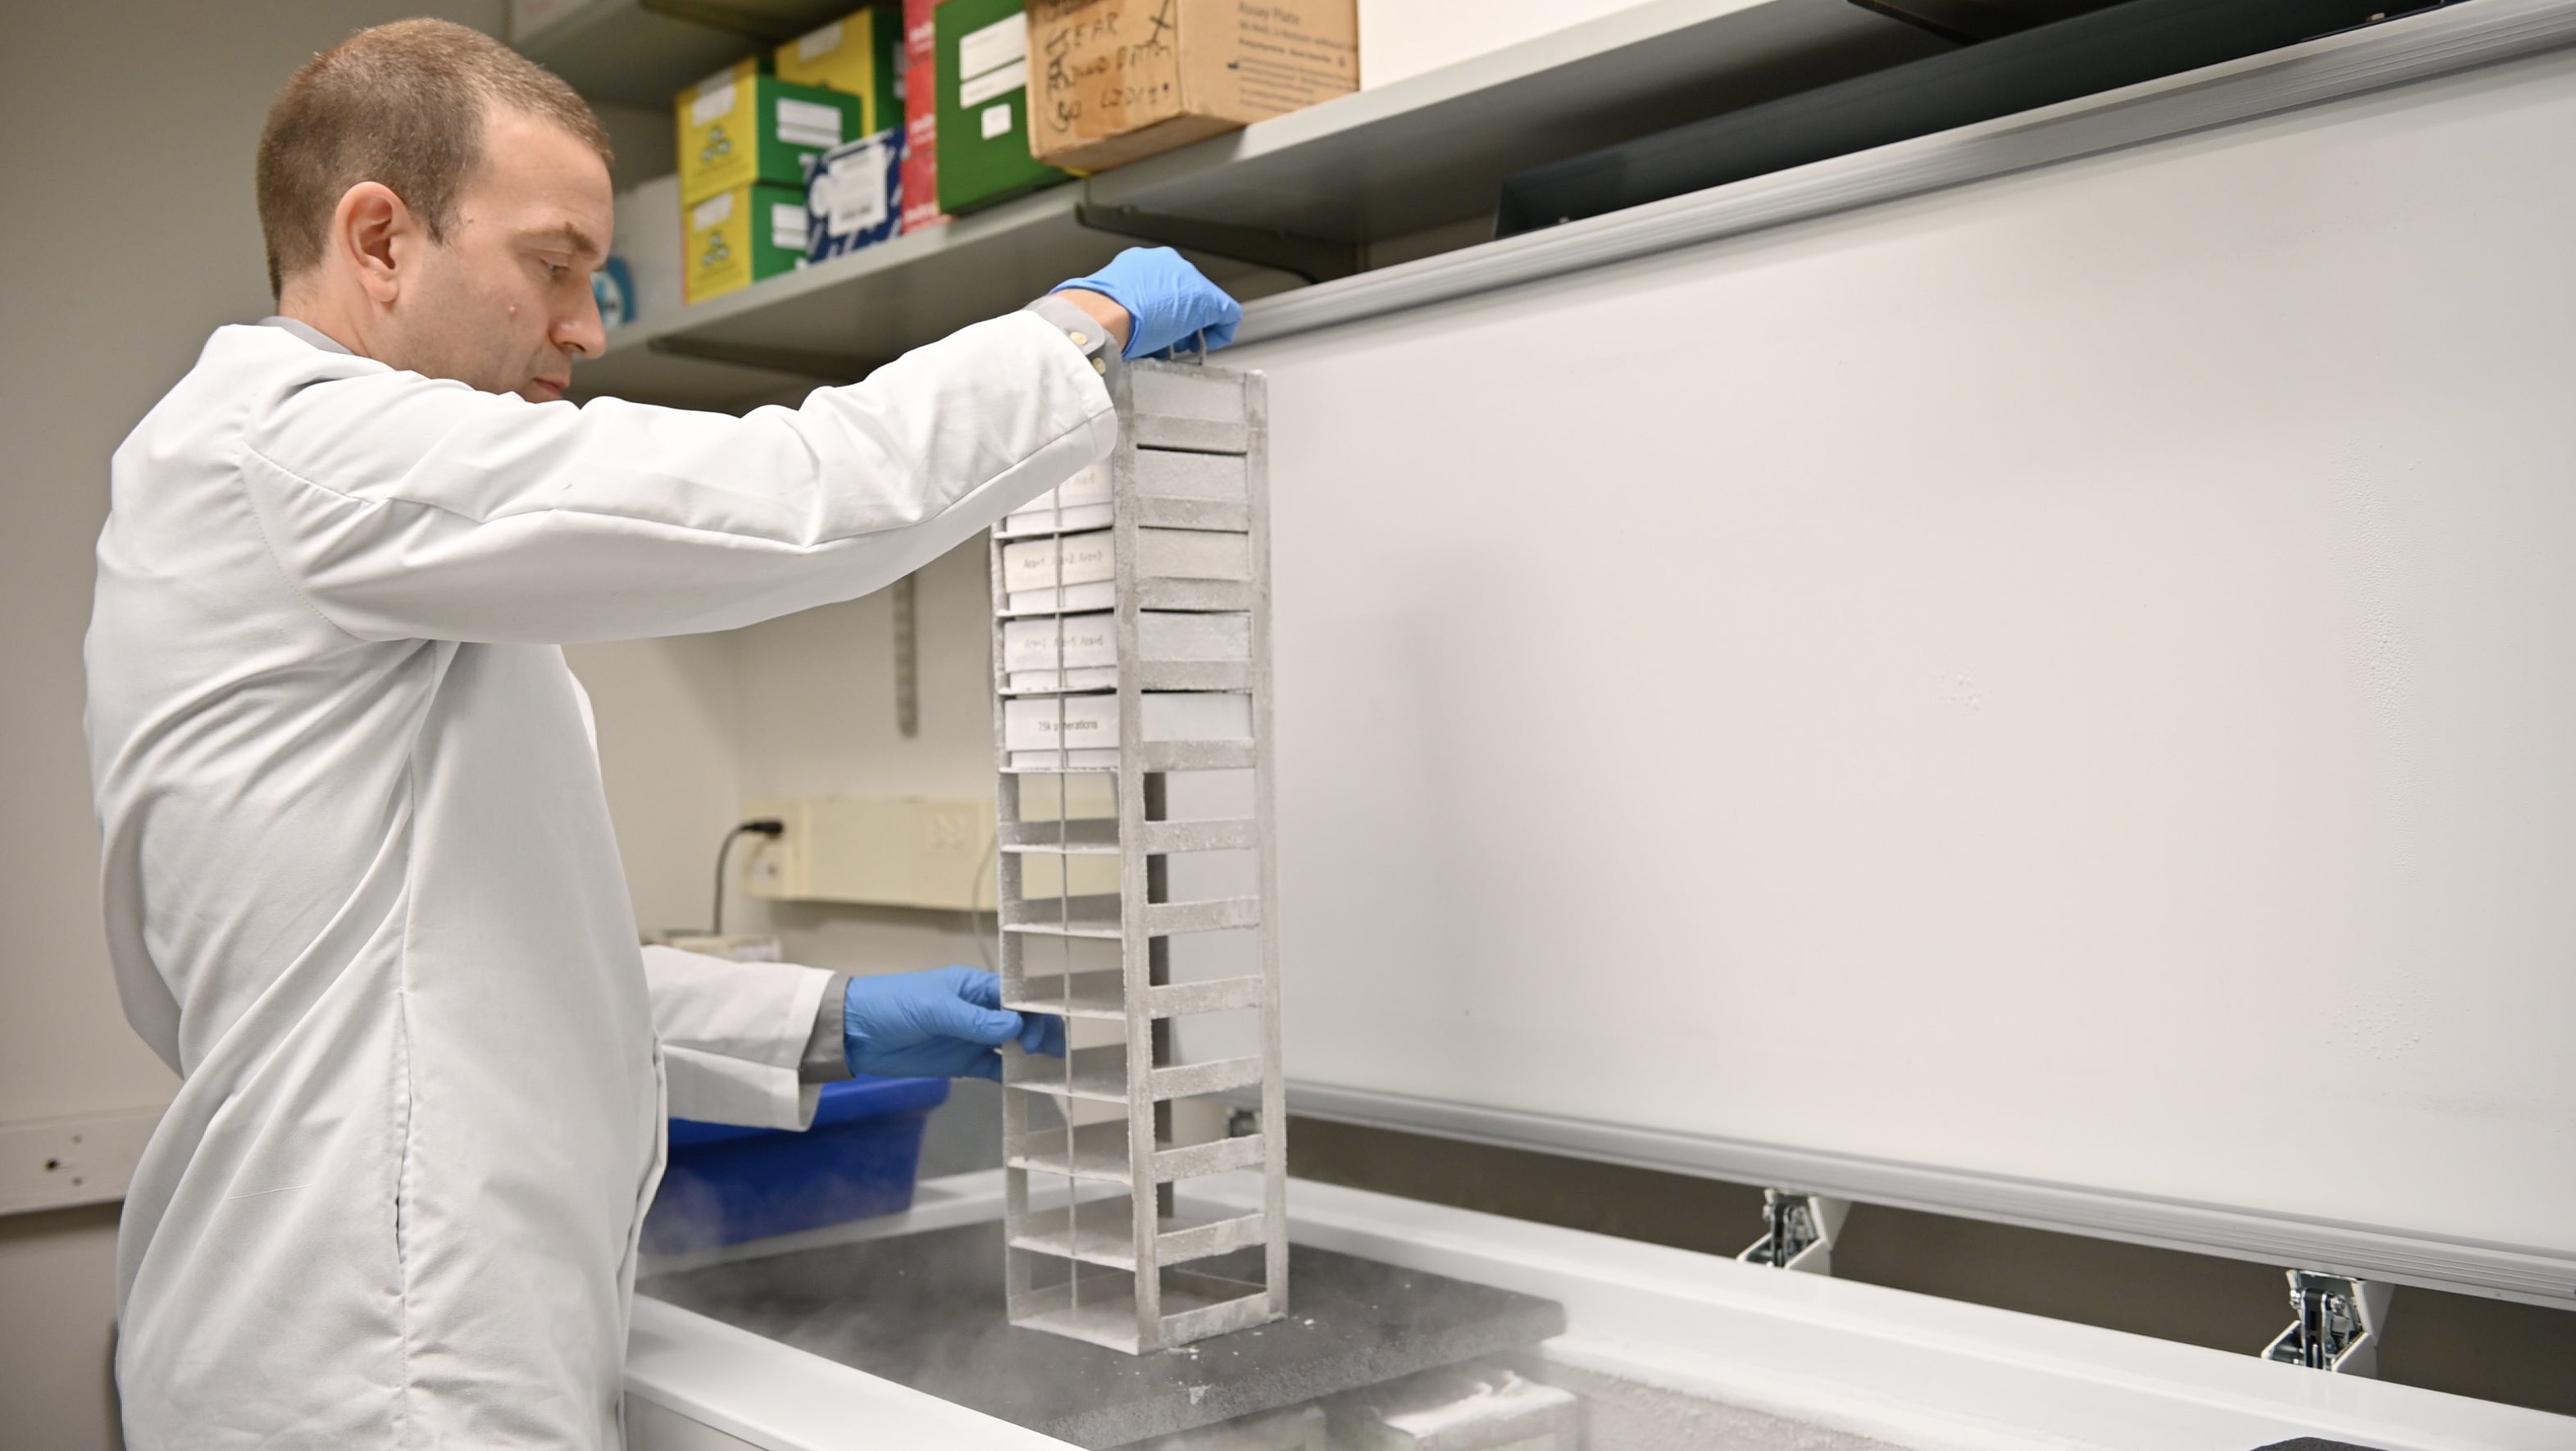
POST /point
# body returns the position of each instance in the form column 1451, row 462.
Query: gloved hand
column 1169, row 302
column 945, row 1023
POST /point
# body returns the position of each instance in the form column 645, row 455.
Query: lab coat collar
column 308, row 332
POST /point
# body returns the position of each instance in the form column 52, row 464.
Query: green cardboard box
column 737, row 130
column 983, row 79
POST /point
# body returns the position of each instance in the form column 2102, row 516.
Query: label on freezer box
column 1100, row 596
column 712, row 213
column 1162, row 554
column 1090, row 640
column 1048, row 563
column 1091, row 486
column 1090, row 722
column 1083, row 639
column 1056, row 521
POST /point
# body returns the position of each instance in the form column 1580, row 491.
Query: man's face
column 504, row 303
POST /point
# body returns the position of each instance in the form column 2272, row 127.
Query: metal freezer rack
column 1186, row 486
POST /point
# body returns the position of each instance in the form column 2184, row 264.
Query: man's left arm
column 736, row 1036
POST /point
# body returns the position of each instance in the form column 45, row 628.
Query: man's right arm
column 405, row 508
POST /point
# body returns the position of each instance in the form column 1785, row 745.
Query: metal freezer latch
column 1801, row 1231
column 2336, row 1323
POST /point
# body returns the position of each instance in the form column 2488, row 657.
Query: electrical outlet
column 903, row 853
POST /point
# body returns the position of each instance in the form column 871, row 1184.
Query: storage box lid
column 845, row 1102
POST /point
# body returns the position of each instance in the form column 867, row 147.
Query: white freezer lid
column 2043, row 690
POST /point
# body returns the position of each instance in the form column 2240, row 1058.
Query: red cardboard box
column 920, row 119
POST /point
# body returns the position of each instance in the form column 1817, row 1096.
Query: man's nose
column 583, row 334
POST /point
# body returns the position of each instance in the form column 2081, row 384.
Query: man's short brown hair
column 401, row 105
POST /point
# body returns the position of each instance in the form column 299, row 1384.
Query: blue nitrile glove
column 1167, row 301
column 945, row 1023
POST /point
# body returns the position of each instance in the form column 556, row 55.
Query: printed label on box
column 997, row 44
column 997, row 120
column 819, row 43
column 787, row 226
column 857, row 188
column 985, row 87
column 711, row 106
column 714, row 212
column 808, row 123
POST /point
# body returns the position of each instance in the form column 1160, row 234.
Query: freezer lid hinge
column 2335, row 1323
column 1800, row 1231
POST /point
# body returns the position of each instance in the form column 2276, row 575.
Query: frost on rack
column 1132, row 713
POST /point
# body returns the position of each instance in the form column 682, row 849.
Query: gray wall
column 133, row 127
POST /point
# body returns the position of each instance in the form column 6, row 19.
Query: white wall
column 133, row 127
column 692, row 729
column 1400, row 38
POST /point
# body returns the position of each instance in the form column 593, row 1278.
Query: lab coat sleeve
column 403, row 507
column 734, row 1035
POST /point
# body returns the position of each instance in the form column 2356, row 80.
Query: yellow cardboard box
column 742, row 127
column 735, row 238
column 860, row 54
column 1111, row 81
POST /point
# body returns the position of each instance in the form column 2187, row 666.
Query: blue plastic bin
column 725, row 1183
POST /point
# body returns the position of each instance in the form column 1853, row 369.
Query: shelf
column 836, row 321
column 1432, row 149
column 641, row 52
column 1367, row 170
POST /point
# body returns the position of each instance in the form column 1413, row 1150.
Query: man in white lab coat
column 360, row 886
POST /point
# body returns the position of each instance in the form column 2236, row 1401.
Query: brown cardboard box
column 1111, row 81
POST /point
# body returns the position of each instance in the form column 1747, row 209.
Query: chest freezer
column 1663, row 1348
column 2049, row 703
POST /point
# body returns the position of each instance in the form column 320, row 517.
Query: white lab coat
column 360, row 885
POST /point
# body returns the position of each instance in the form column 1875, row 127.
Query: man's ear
column 372, row 230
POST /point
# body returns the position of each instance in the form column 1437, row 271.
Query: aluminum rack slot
column 1217, row 514
column 1102, row 1234
column 1189, row 1080
column 1081, row 834
column 1085, row 916
column 1165, row 919
column 1098, row 1074
column 1100, row 1153
column 1157, row 838
column 1197, row 596
column 1085, row 995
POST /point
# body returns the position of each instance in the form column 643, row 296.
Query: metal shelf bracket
column 1800, row 1232
column 2335, row 1323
